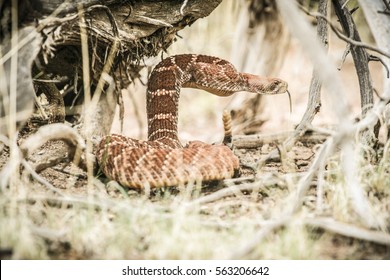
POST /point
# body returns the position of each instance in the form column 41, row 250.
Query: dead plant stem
column 87, row 94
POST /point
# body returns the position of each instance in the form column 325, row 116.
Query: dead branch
column 349, row 230
column 361, row 60
column 327, row 75
column 314, row 102
column 380, row 26
column 300, row 28
column 49, row 133
column 52, row 132
column 257, row 140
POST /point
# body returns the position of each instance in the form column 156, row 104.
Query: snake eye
column 274, row 85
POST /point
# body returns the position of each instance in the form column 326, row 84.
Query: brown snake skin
column 162, row 160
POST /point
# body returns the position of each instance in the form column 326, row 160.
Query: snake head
column 264, row 85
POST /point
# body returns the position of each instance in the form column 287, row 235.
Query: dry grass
column 113, row 224
column 285, row 212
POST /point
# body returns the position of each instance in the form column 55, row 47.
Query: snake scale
column 162, row 160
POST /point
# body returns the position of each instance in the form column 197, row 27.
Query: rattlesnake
column 162, row 160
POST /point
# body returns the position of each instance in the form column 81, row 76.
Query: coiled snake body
column 162, row 160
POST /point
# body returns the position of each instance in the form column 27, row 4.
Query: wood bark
column 377, row 14
column 361, row 60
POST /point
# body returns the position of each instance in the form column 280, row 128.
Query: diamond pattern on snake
column 162, row 160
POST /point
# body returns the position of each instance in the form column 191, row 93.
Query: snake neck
column 162, row 103
column 162, row 111
column 212, row 74
column 165, row 82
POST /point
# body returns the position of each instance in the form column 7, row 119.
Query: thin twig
column 345, row 4
column 344, row 56
column 377, row 58
column 51, row 132
column 386, row 4
column 110, row 16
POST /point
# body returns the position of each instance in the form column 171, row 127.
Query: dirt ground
column 72, row 181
